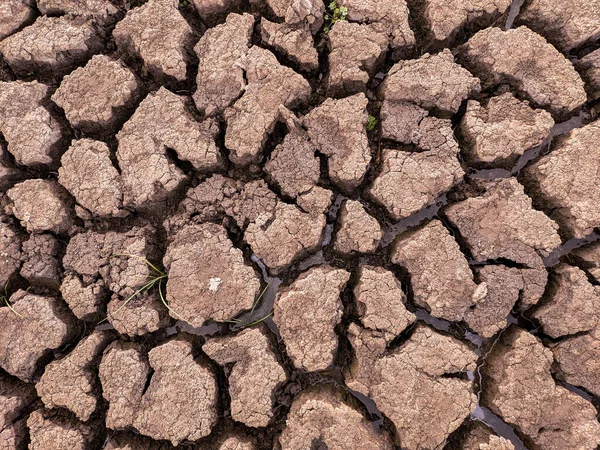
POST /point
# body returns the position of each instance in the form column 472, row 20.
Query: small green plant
column 334, row 14
column 372, row 123
column 240, row 324
column 4, row 297
column 158, row 281
column 183, row 3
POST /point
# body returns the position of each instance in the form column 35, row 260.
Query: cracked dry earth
column 236, row 225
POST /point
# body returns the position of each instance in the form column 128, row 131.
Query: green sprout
column 183, row 3
column 334, row 14
column 371, row 123
column 158, row 281
column 4, row 297
column 249, row 322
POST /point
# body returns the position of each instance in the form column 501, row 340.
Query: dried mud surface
column 244, row 225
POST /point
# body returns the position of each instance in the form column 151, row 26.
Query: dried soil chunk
column 270, row 89
column 427, row 394
column 13, row 15
column 566, row 25
column 10, row 253
column 410, row 181
column 432, row 82
column 447, row 18
column 440, row 275
column 589, row 258
column 552, row 417
column 218, row 288
column 123, row 372
column 338, row 129
column 572, row 303
column 48, row 430
column 254, row 376
column 221, row 50
column 51, row 45
column 158, row 34
column 15, row 397
column 32, row 133
column 381, row 302
column 307, row 312
column 86, row 302
column 88, row 173
column 109, row 88
column 186, row 413
column 308, row 13
column 237, row 443
column 40, row 260
column 359, row 232
column 320, row 416
column 357, row 51
column 41, row 205
column 71, row 382
column 295, row 42
column 102, row 11
column 143, row 314
column 567, row 182
column 9, row 174
column 589, row 68
column 389, row 16
column 550, row 80
column 44, row 325
column 293, row 165
column 502, row 224
column 15, row 436
column 499, row 132
column 133, row 442
column 162, row 122
column 480, row 437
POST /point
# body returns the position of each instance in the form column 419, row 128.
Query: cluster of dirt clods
column 297, row 224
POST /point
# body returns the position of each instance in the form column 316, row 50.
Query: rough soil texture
column 299, row 225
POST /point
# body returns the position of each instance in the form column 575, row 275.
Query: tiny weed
column 4, row 297
column 158, row 281
column 183, row 3
column 241, row 324
column 372, row 123
column 334, row 14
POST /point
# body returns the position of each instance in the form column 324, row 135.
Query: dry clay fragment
column 552, row 417
column 185, row 413
column 307, row 313
column 254, row 377
column 305, row 13
column 9, row 174
column 85, row 301
column 102, row 11
column 220, row 51
column 321, row 416
column 502, row 224
column 51, row 44
column 41, row 205
column 270, row 89
column 142, row 314
column 237, row 442
column 15, row 436
column 162, row 122
column 359, row 231
column 15, row 397
column 13, row 15
column 88, row 173
column 589, row 257
column 530, row 64
column 426, row 394
column 381, row 302
column 410, row 181
column 480, row 437
column 447, row 18
column 441, row 278
column 208, row 278
column 499, row 132
column 109, row 89
column 70, row 382
column 560, row 24
column 589, row 68
column 10, row 252
column 391, row 17
column 357, row 51
column 59, row 432
column 432, row 82
column 40, row 260
column 33, row 134
column 293, row 41
column 338, row 128
column 36, row 326
column 566, row 182
column 158, row 34
column 133, row 442
column 572, row 304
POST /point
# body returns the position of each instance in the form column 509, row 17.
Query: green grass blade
column 11, row 307
column 162, row 299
